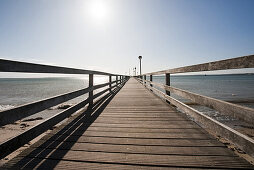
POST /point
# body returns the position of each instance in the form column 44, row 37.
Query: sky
column 109, row 35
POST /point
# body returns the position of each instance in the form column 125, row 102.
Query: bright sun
column 99, row 10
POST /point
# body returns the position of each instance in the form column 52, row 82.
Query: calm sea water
column 17, row 91
column 235, row 88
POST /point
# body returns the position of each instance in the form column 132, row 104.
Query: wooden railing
column 17, row 113
column 245, row 114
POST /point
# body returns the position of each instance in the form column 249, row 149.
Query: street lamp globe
column 140, row 57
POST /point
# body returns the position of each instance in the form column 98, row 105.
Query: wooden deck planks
column 136, row 130
column 140, row 141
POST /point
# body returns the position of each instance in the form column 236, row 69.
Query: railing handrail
column 19, row 112
column 19, row 140
column 233, row 63
column 237, row 111
column 242, row 141
column 25, row 67
column 240, row 112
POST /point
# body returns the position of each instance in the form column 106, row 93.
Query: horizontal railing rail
column 17, row 66
column 233, row 63
column 14, row 143
column 236, row 111
column 242, row 141
column 19, row 112
column 14, row 114
column 243, row 113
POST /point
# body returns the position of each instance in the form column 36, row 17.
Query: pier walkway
column 131, row 129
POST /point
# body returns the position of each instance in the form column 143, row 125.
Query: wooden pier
column 128, row 127
column 135, row 130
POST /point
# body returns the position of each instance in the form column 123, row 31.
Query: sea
column 232, row 88
column 14, row 92
column 19, row 91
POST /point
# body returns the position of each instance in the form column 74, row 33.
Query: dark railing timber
column 245, row 114
column 17, row 113
column 233, row 63
column 16, row 66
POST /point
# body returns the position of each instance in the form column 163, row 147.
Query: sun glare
column 99, row 10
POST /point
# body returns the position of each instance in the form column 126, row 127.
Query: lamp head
column 140, row 57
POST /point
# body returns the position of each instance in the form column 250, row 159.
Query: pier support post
column 110, row 81
column 144, row 79
column 151, row 79
column 167, row 78
column 91, row 92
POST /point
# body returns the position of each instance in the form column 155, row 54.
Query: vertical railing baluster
column 91, row 92
column 151, row 79
column 167, row 79
column 145, row 80
column 110, row 81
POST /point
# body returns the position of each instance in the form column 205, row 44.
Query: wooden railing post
column 116, row 80
column 167, row 78
column 91, row 92
column 151, row 79
column 144, row 79
column 110, row 81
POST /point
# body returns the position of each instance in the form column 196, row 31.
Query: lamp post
column 140, row 57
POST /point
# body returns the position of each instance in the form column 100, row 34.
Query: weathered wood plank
column 145, row 130
column 147, row 159
column 139, row 149
column 141, row 135
column 138, row 141
column 146, row 125
column 72, row 165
